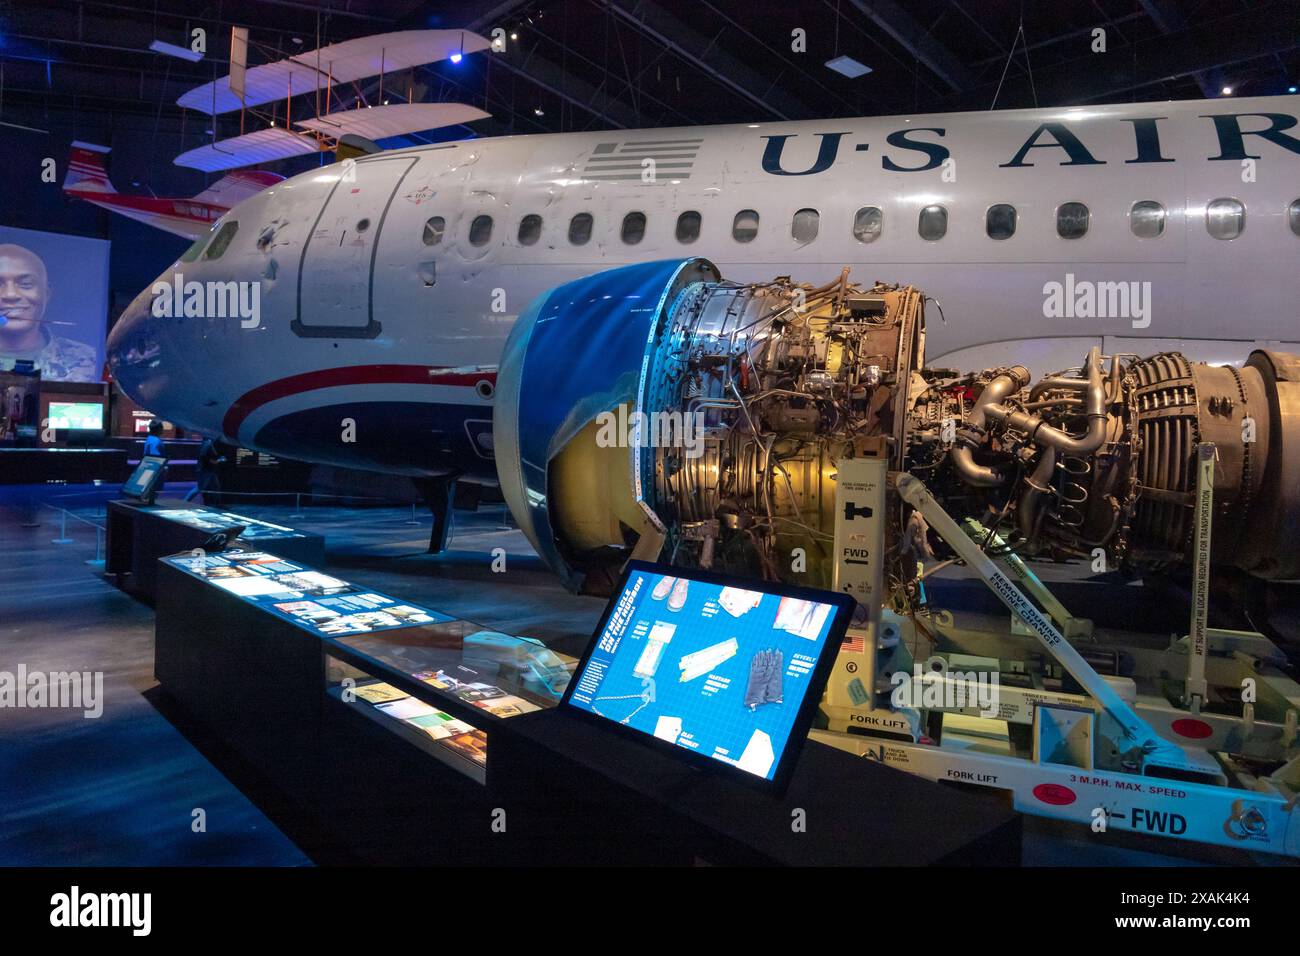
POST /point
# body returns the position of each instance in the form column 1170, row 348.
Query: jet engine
column 660, row 411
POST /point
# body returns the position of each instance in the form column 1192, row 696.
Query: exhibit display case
column 444, row 685
column 139, row 534
column 437, row 682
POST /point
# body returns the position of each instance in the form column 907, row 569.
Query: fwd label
column 1156, row 821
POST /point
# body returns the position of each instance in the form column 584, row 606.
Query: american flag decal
column 673, row 159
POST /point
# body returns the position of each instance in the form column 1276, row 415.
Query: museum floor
column 121, row 789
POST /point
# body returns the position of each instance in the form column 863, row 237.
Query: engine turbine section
column 660, row 411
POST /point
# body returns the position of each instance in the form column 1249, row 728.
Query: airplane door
column 336, row 276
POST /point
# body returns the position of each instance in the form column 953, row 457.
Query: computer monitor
column 77, row 416
column 723, row 672
column 144, row 481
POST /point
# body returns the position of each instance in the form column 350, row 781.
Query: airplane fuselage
column 386, row 286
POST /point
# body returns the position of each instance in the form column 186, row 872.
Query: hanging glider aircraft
column 324, row 72
column 341, row 131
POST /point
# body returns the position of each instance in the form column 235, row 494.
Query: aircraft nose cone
column 135, row 354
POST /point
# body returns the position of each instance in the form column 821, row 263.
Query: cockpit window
column 222, row 239
column 196, row 247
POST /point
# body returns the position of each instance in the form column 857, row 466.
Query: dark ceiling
column 588, row 64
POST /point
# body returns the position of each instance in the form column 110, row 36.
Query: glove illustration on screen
column 764, row 686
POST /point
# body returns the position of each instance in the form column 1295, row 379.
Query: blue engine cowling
column 583, row 348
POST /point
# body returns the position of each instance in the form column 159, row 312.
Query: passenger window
column 933, row 223
column 1000, row 221
column 1072, row 220
column 433, row 230
column 530, row 229
column 866, row 224
column 688, row 226
column 363, row 225
column 1293, row 216
column 580, row 229
column 745, row 226
column 805, row 224
column 480, row 230
column 1147, row 219
column 633, row 228
column 222, row 239
column 1225, row 218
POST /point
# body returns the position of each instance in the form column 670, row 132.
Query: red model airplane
column 189, row 217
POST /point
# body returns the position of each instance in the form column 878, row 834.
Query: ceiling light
column 456, row 58
column 847, row 66
column 1227, row 91
column 538, row 111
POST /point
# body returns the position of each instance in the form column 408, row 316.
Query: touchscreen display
column 719, row 670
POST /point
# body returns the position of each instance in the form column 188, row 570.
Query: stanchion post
column 63, row 528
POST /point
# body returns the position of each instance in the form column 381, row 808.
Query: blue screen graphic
column 719, row 670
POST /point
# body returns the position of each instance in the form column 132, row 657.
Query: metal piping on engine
column 1039, row 432
column 1038, row 486
column 1007, row 382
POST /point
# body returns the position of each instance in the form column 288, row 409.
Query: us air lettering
column 1232, row 138
column 49, row 171
column 826, row 151
column 936, row 154
column 798, row 40
column 1232, row 141
column 1063, row 139
column 1147, row 137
